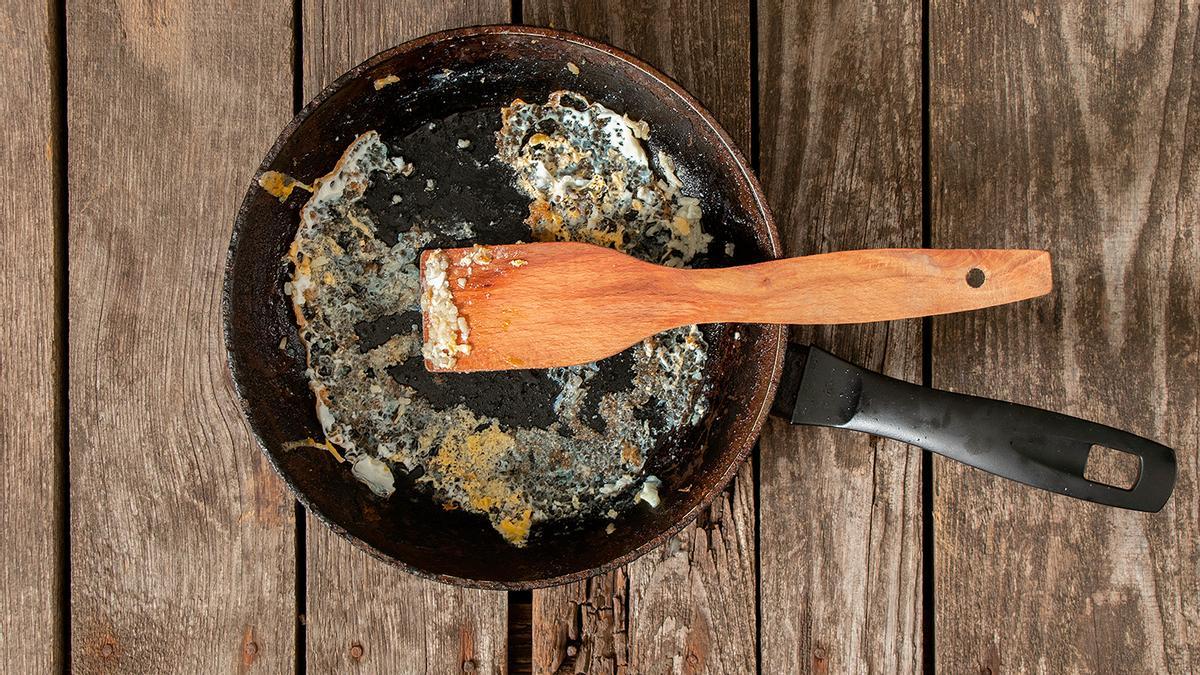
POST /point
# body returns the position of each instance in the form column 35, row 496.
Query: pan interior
column 442, row 92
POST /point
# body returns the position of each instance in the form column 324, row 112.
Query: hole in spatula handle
column 1112, row 467
column 975, row 277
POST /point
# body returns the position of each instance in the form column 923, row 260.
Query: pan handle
column 1044, row 449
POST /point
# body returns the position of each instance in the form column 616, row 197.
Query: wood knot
column 356, row 651
column 249, row 647
column 469, row 666
column 108, row 648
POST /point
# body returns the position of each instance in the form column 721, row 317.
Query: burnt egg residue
column 520, row 448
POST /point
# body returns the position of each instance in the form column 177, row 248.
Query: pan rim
column 776, row 333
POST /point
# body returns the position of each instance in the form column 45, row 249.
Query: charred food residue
column 588, row 177
column 590, row 180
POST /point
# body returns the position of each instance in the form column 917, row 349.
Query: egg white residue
column 589, row 177
column 375, row 474
column 572, row 380
column 649, row 491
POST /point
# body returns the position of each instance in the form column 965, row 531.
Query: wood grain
column 703, row 45
column 1073, row 128
column 30, row 451
column 361, row 612
column 181, row 534
column 544, row 305
column 582, row 627
column 840, row 515
column 691, row 603
column 683, row 610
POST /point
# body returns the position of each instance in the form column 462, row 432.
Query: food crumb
column 573, row 68
column 406, row 170
column 280, row 185
column 313, row 443
column 396, row 199
column 729, row 248
column 737, row 335
column 639, row 128
column 446, row 332
column 519, row 263
column 462, row 282
column 516, row 530
column 649, row 491
column 481, row 255
column 464, row 143
column 429, row 185
column 283, row 344
column 385, row 81
column 631, row 455
column 376, row 474
column 610, row 529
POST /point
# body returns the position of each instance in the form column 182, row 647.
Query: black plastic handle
column 1044, row 449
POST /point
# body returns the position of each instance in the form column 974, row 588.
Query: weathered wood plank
column 582, row 627
column 692, row 600
column 1075, row 128
column 705, row 46
column 362, row 612
column 840, row 513
column 689, row 606
column 30, row 456
column 182, row 536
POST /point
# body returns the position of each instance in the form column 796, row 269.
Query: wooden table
column 142, row 531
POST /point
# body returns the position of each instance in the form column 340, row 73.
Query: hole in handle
column 975, row 277
column 1112, row 467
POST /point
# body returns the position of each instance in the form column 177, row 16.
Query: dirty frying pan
column 458, row 80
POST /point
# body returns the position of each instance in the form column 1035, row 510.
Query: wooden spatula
column 560, row 304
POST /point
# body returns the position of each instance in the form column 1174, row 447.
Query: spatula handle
column 871, row 285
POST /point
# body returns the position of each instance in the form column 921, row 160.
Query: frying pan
column 457, row 80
